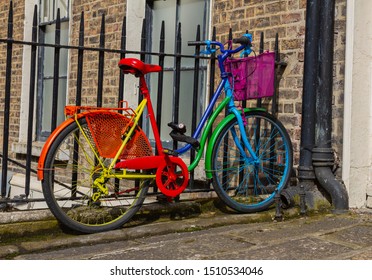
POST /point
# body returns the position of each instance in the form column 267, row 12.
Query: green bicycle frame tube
column 205, row 133
column 208, row 128
column 216, row 132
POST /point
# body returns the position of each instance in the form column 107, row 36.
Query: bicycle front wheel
column 71, row 172
column 248, row 183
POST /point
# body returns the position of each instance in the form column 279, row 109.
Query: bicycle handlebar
column 244, row 41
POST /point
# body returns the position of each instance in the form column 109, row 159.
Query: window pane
column 191, row 13
column 47, row 105
column 49, row 52
column 64, row 52
column 63, row 8
column 48, row 100
column 164, row 11
column 49, row 10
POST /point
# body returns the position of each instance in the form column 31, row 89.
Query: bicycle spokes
column 172, row 177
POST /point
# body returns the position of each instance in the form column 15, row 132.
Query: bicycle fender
column 216, row 132
column 50, row 140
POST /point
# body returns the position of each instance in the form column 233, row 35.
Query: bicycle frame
column 207, row 120
column 83, row 160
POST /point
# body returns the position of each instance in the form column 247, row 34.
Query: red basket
column 252, row 77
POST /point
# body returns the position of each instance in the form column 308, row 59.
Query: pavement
column 198, row 229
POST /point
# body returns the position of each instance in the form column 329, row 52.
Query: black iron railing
column 8, row 162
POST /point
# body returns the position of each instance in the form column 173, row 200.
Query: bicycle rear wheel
column 72, row 165
column 244, row 184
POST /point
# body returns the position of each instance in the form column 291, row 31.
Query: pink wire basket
column 252, row 77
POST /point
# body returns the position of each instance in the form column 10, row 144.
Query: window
column 189, row 13
column 47, row 26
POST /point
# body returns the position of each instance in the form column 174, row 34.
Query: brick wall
column 287, row 18
column 16, row 80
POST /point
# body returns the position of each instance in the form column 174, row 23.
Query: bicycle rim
column 243, row 183
column 71, row 167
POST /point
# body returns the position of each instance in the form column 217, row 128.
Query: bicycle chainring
column 172, row 176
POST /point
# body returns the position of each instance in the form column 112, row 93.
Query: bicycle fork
column 252, row 156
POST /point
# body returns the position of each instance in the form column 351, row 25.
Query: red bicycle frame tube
column 145, row 91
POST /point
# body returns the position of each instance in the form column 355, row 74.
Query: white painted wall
column 357, row 146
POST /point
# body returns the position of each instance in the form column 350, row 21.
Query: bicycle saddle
column 137, row 67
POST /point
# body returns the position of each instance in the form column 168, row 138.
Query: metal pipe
column 323, row 158
column 305, row 169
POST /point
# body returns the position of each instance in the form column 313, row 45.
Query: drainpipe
column 305, row 169
column 323, row 155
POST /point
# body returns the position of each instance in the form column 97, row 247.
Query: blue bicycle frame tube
column 224, row 84
column 205, row 117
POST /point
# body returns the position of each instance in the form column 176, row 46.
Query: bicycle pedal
column 180, row 137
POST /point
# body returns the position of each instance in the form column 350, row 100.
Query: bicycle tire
column 68, row 185
column 241, row 183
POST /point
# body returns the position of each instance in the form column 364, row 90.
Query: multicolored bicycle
column 97, row 166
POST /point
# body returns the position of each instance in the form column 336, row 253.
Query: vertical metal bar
column 143, row 55
column 212, row 67
column 143, row 40
column 140, row 96
column 278, row 213
column 212, row 71
column 101, row 62
column 230, row 39
column 262, row 42
column 177, row 80
column 244, row 105
column 259, row 101
column 121, row 77
column 80, row 61
column 259, row 104
column 79, row 81
column 31, row 104
column 244, row 102
column 160, row 77
column 122, row 55
column 8, row 77
column 57, row 50
column 226, row 140
column 274, row 109
column 195, row 101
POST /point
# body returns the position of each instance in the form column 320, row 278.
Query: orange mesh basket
column 108, row 128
